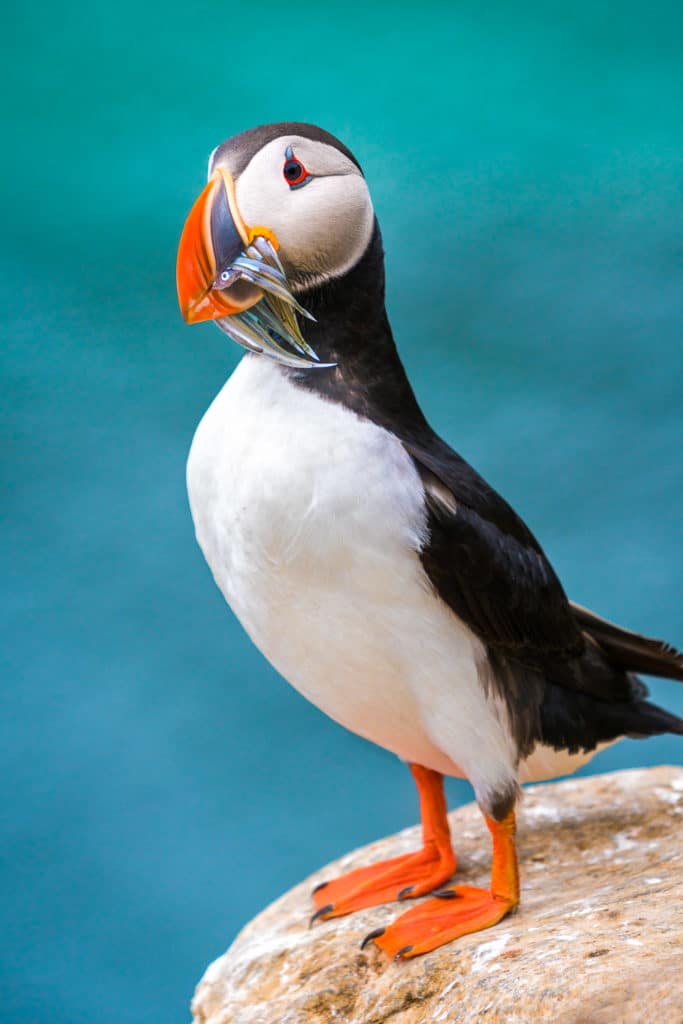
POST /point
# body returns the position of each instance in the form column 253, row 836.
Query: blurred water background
column 160, row 783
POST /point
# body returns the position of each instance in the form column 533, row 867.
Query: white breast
column 312, row 520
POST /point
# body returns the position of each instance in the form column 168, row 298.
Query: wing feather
column 487, row 566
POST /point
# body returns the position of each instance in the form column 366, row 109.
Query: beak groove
column 232, row 274
column 227, row 233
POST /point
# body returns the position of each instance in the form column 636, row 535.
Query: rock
column 597, row 939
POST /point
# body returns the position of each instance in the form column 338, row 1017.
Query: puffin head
column 286, row 208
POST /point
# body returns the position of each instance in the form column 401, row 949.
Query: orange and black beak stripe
column 214, row 235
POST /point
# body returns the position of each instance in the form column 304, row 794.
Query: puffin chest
column 296, row 499
column 312, row 521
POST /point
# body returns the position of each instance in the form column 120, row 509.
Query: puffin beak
column 231, row 273
column 213, row 237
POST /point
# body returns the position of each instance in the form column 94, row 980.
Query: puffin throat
column 351, row 330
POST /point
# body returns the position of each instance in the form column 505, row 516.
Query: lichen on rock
column 598, row 938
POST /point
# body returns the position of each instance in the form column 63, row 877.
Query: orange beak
column 213, row 236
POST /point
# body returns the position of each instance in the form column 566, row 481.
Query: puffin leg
column 404, row 877
column 459, row 910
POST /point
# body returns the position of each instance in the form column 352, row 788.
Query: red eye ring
column 294, row 172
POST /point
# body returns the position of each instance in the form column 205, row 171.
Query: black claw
column 446, row 894
column 405, row 892
column 319, row 887
column 321, row 913
column 402, row 952
column 372, row 935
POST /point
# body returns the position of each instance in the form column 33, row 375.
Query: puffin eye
column 294, row 172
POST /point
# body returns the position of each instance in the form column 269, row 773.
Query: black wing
column 565, row 675
column 488, row 567
column 629, row 650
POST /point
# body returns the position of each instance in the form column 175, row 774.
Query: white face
column 323, row 226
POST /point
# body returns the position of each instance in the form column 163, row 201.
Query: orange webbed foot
column 404, row 877
column 413, row 874
column 458, row 911
column 438, row 921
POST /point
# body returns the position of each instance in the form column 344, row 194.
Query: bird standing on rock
column 374, row 568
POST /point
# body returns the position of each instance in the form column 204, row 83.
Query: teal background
column 160, row 783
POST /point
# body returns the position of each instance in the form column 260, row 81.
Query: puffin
column 375, row 569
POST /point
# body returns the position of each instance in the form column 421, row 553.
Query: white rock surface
column 598, row 938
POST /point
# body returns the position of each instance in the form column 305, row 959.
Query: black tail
column 579, row 721
column 630, row 651
column 611, row 700
column 651, row 720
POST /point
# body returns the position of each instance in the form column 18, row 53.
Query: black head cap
column 243, row 146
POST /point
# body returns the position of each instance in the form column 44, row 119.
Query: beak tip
column 186, row 307
column 186, row 313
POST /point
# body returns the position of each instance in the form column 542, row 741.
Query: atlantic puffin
column 375, row 569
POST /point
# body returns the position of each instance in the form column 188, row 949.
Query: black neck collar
column 353, row 331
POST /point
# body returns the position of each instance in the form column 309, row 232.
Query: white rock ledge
column 597, row 939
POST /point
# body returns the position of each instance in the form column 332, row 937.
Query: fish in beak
column 231, row 273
